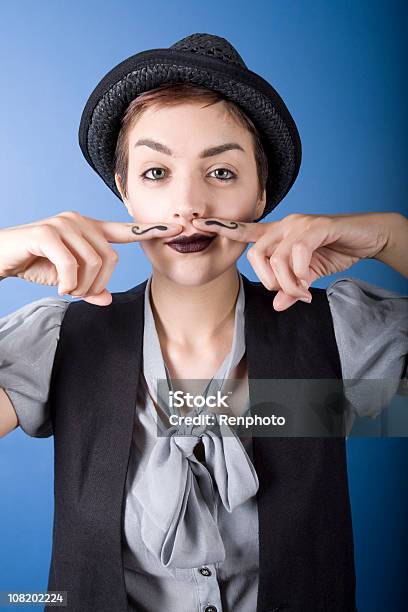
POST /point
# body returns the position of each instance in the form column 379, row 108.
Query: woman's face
column 181, row 183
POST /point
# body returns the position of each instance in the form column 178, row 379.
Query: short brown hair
column 169, row 94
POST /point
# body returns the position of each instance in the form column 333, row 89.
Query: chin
column 194, row 270
column 189, row 273
column 186, row 276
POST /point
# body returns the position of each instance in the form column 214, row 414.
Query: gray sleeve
column 28, row 341
column 371, row 329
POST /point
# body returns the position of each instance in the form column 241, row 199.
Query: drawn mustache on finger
column 136, row 229
column 233, row 224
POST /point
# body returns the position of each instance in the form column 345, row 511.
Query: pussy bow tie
column 178, row 523
column 179, row 504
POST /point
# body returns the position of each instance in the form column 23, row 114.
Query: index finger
column 235, row 230
column 118, row 232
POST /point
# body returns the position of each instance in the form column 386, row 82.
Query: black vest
column 305, row 529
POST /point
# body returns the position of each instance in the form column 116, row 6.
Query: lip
column 191, row 246
column 185, row 239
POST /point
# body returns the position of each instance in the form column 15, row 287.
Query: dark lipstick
column 190, row 244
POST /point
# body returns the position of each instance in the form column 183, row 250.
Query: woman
column 150, row 515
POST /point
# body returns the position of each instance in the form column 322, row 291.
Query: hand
column 72, row 251
column 288, row 255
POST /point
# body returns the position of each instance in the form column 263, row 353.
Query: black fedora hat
column 206, row 60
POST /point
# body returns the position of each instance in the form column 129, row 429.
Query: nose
column 188, row 201
column 185, row 214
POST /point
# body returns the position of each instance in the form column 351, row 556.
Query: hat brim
column 101, row 118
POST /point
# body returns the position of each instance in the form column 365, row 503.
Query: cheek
column 140, row 212
column 242, row 210
column 149, row 247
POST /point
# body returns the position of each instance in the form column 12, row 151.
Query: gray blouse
column 189, row 539
column 189, row 525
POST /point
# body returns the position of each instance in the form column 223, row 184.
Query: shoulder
column 361, row 290
column 371, row 327
column 44, row 311
column 255, row 290
column 29, row 336
column 358, row 301
column 119, row 298
column 83, row 319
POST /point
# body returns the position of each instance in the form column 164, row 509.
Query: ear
column 118, row 182
column 260, row 206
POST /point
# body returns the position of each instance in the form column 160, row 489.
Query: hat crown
column 210, row 45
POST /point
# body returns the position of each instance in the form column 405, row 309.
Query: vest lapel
column 304, row 515
column 93, row 425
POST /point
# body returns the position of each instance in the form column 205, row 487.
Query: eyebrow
column 210, row 152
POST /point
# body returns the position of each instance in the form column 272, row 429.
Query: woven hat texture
column 207, row 60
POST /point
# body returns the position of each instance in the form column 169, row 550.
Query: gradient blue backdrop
column 338, row 66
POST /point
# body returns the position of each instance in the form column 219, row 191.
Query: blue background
column 338, row 66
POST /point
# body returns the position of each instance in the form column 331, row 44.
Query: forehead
column 213, row 123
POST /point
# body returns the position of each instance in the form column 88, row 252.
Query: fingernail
column 307, row 300
column 304, row 283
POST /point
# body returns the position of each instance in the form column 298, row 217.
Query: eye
column 144, row 176
column 225, row 170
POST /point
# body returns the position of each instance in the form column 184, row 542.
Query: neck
column 193, row 316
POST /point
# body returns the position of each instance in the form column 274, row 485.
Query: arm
column 28, row 341
column 8, row 416
column 395, row 251
column 371, row 328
